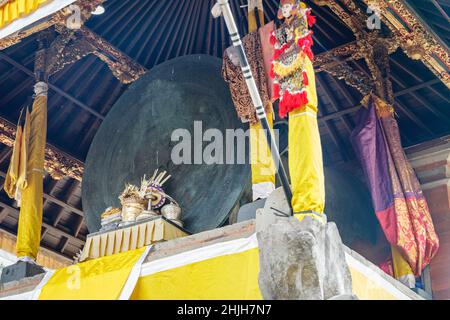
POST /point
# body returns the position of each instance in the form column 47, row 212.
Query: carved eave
column 70, row 46
column 57, row 163
column 414, row 38
column 122, row 66
column 58, row 18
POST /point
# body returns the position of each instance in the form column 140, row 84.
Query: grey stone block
column 20, row 270
column 300, row 260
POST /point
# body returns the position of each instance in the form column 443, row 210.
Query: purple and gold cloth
column 397, row 197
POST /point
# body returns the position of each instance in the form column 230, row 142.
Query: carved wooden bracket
column 414, row 38
column 407, row 32
column 123, row 67
column 71, row 46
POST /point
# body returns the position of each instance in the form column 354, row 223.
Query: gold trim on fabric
column 133, row 237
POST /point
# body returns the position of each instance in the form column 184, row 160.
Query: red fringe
column 272, row 39
column 305, row 42
column 305, row 78
column 309, row 53
column 271, row 72
column 290, row 102
column 276, row 91
column 310, row 18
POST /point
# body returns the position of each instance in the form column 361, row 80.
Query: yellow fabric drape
column 262, row 166
column 30, row 218
column 16, row 177
column 305, row 153
column 16, row 9
column 252, row 24
column 402, row 269
column 227, row 277
column 99, row 279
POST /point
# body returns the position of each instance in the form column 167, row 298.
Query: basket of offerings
column 111, row 219
column 133, row 203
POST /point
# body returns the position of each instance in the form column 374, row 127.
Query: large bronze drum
column 135, row 139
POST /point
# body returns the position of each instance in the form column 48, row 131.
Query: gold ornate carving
column 70, row 46
column 122, row 66
column 413, row 37
column 57, row 163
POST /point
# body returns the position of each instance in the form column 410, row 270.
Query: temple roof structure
column 132, row 36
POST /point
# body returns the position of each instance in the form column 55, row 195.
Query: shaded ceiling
column 154, row 31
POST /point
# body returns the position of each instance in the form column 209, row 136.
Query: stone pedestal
column 431, row 161
column 20, row 270
column 299, row 260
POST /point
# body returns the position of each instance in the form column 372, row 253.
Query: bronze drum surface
column 135, row 139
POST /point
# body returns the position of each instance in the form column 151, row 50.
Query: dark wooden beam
column 55, row 201
column 51, row 86
column 75, row 241
column 43, row 247
column 353, row 109
column 57, row 163
column 68, row 194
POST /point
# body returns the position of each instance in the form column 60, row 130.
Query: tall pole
column 222, row 7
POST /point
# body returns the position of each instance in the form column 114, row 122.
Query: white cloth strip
column 200, row 254
column 37, row 291
column 262, row 190
column 375, row 277
column 133, row 277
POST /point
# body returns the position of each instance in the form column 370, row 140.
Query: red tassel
column 303, row 98
column 272, row 39
column 305, row 78
column 276, row 91
column 282, row 107
column 309, row 53
column 310, row 18
column 291, row 102
column 305, row 41
column 271, row 72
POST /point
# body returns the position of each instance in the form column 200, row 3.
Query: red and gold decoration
column 292, row 42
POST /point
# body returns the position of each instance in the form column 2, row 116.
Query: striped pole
column 222, row 7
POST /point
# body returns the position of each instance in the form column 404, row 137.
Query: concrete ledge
column 379, row 276
column 235, row 231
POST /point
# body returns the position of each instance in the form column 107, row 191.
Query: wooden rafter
column 75, row 241
column 57, row 163
column 53, row 199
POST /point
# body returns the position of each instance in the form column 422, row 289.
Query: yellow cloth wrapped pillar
column 305, row 155
column 263, row 169
column 252, row 6
column 30, row 218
